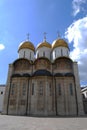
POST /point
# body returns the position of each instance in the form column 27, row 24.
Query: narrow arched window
column 30, row 55
column 71, row 89
column 24, row 54
column 13, row 89
column 50, row 89
column 61, row 52
column 32, row 88
column 37, row 55
column 59, row 89
column 43, row 54
column 41, row 88
column 24, row 89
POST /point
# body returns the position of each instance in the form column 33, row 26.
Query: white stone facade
column 26, row 53
column 43, row 52
column 59, row 52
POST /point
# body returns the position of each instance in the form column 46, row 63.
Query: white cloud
column 2, row 47
column 77, row 6
column 77, row 34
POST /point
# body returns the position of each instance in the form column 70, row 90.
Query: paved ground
column 36, row 123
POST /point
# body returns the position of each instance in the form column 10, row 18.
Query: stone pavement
column 41, row 123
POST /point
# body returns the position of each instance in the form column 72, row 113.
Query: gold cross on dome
column 58, row 34
column 28, row 36
column 45, row 36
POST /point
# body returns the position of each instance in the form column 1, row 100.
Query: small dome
column 44, row 44
column 58, row 43
column 26, row 45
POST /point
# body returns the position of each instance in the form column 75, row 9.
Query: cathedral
column 43, row 81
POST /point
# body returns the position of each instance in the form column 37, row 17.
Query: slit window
column 61, row 52
column 13, row 89
column 33, row 89
column 41, row 88
column 24, row 54
column 24, row 89
column 43, row 54
column 50, row 89
column 59, row 89
column 38, row 55
column 71, row 89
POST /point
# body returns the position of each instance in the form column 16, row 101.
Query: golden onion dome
column 44, row 44
column 26, row 45
column 59, row 43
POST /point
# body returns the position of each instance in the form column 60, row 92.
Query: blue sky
column 19, row 17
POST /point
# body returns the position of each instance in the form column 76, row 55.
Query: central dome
column 44, row 44
column 26, row 45
column 59, row 42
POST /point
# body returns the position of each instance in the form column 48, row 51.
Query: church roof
column 26, row 45
column 44, row 44
column 59, row 42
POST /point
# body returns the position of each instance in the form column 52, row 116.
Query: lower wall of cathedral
column 41, row 96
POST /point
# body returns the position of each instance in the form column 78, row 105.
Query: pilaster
column 7, row 90
column 78, row 90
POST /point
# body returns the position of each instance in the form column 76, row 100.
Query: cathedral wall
column 42, row 96
column 43, row 52
column 7, row 89
column 22, row 66
column 78, row 90
column 62, row 65
column 59, row 52
column 66, row 97
column 60, row 97
column 43, row 88
column 42, row 63
column 26, row 53
column 18, row 96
